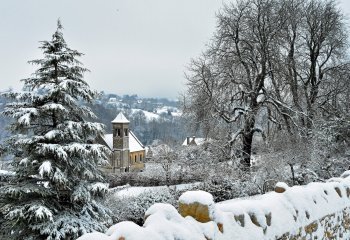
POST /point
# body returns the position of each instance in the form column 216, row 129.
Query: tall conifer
column 54, row 192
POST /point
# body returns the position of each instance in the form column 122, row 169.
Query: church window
column 118, row 132
column 135, row 158
column 126, row 132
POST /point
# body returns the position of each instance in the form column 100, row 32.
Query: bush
column 226, row 189
column 134, row 208
column 139, row 179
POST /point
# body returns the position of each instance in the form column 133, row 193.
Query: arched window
column 126, row 132
column 135, row 158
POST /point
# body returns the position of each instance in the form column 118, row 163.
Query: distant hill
column 150, row 118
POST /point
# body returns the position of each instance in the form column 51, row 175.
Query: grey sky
column 130, row 46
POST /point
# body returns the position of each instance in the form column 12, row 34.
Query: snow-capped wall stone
column 281, row 187
column 197, row 204
column 314, row 211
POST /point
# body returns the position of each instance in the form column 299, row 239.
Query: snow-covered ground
column 6, row 173
column 149, row 115
column 175, row 112
column 128, row 191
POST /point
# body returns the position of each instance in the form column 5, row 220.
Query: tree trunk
column 247, row 140
column 293, row 175
column 167, row 177
column 293, row 79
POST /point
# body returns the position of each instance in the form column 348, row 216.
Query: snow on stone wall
column 314, row 211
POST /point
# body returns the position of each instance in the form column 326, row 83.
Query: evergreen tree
column 57, row 184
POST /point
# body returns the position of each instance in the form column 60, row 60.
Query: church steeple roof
column 120, row 118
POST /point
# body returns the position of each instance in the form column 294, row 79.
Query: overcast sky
column 131, row 46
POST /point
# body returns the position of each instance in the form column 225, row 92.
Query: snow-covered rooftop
column 120, row 118
column 194, row 141
column 134, row 143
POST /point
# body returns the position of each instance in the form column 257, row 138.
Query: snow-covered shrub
column 135, row 179
column 154, row 176
column 226, row 189
column 134, row 208
column 330, row 144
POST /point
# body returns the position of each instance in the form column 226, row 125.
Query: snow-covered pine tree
column 57, row 185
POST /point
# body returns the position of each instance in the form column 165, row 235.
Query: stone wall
column 332, row 226
column 314, row 211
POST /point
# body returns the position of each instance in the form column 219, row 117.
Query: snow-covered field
column 175, row 112
column 149, row 115
column 6, row 173
column 128, row 191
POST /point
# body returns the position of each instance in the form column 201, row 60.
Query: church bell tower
column 121, row 143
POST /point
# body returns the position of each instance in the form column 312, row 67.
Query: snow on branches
column 57, row 183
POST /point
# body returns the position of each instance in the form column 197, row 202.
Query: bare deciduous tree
column 228, row 81
column 277, row 60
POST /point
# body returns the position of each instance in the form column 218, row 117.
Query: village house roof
column 134, row 143
column 120, row 118
column 193, row 141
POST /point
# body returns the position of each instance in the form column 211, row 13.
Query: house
column 193, row 141
column 128, row 153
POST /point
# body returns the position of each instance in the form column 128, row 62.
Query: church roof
column 120, row 118
column 134, row 143
column 108, row 138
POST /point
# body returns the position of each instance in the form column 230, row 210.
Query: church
column 128, row 153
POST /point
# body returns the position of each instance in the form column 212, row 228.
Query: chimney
column 193, row 142
column 188, row 140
